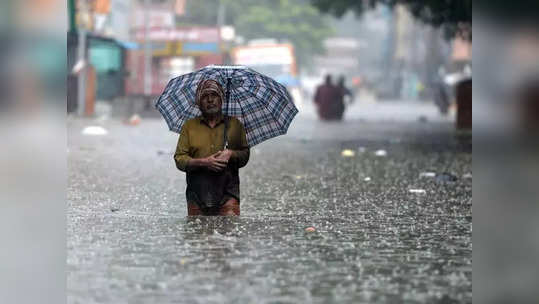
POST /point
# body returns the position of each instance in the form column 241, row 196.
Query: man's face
column 210, row 103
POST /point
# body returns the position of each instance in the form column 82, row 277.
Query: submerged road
column 392, row 216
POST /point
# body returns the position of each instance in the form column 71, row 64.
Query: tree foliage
column 287, row 20
column 455, row 16
column 296, row 21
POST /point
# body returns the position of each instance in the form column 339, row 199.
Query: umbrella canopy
column 263, row 105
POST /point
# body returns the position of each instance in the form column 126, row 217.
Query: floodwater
column 129, row 240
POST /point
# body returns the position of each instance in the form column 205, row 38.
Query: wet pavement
column 374, row 240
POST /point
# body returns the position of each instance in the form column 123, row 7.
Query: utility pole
column 221, row 13
column 81, row 80
column 147, row 54
column 71, row 16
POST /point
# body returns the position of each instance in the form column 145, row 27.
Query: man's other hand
column 224, row 155
column 215, row 163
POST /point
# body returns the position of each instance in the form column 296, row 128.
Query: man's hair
column 206, row 86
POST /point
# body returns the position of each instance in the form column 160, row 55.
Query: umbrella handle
column 227, row 97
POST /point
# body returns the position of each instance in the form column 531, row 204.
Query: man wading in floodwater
column 213, row 183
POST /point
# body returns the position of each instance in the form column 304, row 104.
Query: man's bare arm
column 237, row 158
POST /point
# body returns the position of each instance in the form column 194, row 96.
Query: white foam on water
column 94, row 130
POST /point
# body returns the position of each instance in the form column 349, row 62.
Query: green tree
column 287, row 20
column 296, row 21
column 454, row 16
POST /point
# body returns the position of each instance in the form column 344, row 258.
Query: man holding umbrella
column 213, row 184
column 220, row 112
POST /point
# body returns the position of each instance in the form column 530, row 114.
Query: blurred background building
column 123, row 52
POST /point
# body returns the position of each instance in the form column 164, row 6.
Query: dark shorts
column 210, row 190
column 229, row 206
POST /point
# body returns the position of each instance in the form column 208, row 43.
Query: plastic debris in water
column 417, row 191
column 94, row 130
column 348, row 153
column 134, row 120
column 380, row 153
column 310, row 229
column 427, row 174
column 367, row 179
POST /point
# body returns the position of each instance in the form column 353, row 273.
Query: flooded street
column 377, row 238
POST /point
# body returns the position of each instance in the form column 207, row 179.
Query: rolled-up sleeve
column 181, row 156
column 241, row 154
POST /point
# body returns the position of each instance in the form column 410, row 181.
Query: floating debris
column 310, row 229
column 446, row 177
column 427, row 174
column 381, row 153
column 348, row 153
column 164, row 152
column 418, row 191
column 134, row 120
column 367, row 179
column 94, row 130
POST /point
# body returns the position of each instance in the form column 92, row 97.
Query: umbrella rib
column 266, row 104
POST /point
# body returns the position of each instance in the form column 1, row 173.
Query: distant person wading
column 329, row 100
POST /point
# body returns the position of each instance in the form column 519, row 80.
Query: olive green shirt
column 199, row 140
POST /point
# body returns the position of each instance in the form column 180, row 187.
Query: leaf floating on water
column 348, row 153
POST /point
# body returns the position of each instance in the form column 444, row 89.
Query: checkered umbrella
column 263, row 105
